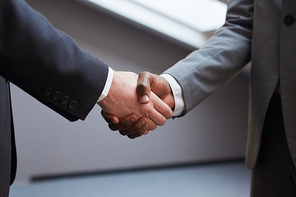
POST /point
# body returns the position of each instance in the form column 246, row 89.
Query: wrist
column 106, row 99
column 122, row 91
column 107, row 85
column 176, row 93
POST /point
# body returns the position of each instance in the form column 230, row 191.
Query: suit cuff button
column 47, row 91
column 56, row 96
column 65, row 100
column 73, row 104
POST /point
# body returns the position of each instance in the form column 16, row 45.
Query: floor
column 211, row 180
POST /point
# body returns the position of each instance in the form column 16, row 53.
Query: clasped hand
column 132, row 108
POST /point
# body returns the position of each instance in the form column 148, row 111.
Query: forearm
column 207, row 70
column 35, row 56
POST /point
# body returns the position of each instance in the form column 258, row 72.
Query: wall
column 48, row 144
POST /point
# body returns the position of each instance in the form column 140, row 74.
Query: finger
column 111, row 119
column 153, row 114
column 151, row 125
column 146, row 132
column 143, row 88
column 161, row 107
column 124, row 123
column 156, row 117
column 140, row 126
column 138, row 134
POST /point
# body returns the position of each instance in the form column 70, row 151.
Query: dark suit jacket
column 47, row 64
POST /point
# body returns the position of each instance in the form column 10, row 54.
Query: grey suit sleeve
column 47, row 63
column 208, row 69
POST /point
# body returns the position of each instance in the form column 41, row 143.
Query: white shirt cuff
column 177, row 92
column 107, row 85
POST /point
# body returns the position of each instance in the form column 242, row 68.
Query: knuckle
column 126, row 124
column 162, row 122
column 123, row 132
column 152, row 127
column 144, row 73
column 148, row 109
column 169, row 115
column 112, row 127
column 132, row 137
column 141, row 86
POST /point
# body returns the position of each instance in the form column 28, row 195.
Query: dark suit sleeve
column 47, row 63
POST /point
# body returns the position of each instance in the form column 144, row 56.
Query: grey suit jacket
column 254, row 30
column 47, row 64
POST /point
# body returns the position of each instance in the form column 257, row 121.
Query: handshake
column 137, row 104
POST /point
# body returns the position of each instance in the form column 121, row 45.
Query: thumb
column 145, row 80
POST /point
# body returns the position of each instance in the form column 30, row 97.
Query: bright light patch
column 184, row 20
